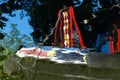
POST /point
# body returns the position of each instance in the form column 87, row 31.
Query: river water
column 46, row 70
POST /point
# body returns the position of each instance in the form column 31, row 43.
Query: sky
column 21, row 19
column 3, row 1
column 77, row 4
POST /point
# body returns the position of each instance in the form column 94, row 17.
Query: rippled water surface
column 46, row 70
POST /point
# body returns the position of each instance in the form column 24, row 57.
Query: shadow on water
column 46, row 70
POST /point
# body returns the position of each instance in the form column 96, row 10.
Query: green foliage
column 13, row 39
column 9, row 45
column 1, row 36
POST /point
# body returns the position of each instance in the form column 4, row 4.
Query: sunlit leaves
column 15, row 38
column 9, row 45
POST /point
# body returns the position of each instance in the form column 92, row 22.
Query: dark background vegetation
column 43, row 13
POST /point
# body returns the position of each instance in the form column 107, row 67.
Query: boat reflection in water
column 99, row 66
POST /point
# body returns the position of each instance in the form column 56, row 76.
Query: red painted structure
column 65, row 27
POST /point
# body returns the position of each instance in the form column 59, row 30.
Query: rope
column 34, row 62
column 47, row 37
